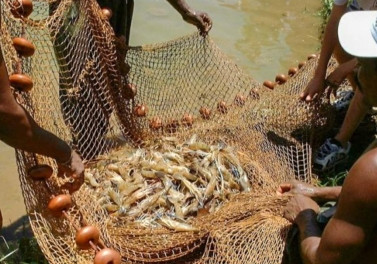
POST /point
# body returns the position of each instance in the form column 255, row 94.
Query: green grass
column 28, row 252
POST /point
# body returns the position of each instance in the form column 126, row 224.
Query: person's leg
column 355, row 114
column 341, row 56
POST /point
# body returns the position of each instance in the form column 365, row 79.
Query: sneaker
column 343, row 100
column 330, row 154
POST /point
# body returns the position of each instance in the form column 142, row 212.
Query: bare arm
column 319, row 194
column 200, row 19
column 349, row 232
column 317, row 85
column 19, row 130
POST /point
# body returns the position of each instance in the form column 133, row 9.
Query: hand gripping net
column 188, row 86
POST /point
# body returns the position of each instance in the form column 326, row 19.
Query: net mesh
column 174, row 91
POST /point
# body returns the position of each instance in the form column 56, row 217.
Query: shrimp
column 89, row 178
column 175, row 225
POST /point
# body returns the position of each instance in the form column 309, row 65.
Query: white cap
column 357, row 33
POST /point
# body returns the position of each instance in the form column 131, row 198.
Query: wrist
column 66, row 155
column 305, row 217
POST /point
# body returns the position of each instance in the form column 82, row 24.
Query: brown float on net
column 21, row 8
column 312, row 56
column 240, row 100
column 205, row 112
column 107, row 256
column 85, row 236
column 292, row 71
column 281, row 78
column 140, row 110
column 60, row 203
column 301, row 64
column 222, row 107
column 40, row 172
column 21, row 82
column 269, row 84
column 24, row 47
column 107, row 12
column 155, row 123
column 187, row 120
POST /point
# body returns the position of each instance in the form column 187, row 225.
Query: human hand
column 297, row 206
column 296, row 187
column 200, row 19
column 74, row 168
column 314, row 89
column 335, row 79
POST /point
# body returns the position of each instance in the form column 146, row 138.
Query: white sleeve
column 340, row 2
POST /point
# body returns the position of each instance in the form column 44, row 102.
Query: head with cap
column 357, row 34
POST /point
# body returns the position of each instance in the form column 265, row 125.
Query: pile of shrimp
column 168, row 182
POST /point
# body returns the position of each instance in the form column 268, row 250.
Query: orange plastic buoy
column 254, row 93
column 40, row 172
column 24, row 47
column 172, row 126
column 281, row 78
column 140, row 110
column 301, row 64
column 21, row 82
column 292, row 71
column 155, row 123
column 312, row 56
column 187, row 120
column 108, row 256
column 21, row 8
column 60, row 203
column 240, row 100
column 269, row 84
column 132, row 88
column 205, row 112
column 222, row 107
column 107, row 12
column 86, row 235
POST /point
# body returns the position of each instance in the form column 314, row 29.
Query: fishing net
column 201, row 143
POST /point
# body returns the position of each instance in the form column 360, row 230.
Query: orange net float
column 254, row 93
column 301, row 64
column 222, row 107
column 140, row 110
column 21, row 8
column 187, row 120
column 21, row 82
column 107, row 256
column 240, row 100
column 60, row 203
column 205, row 112
column 269, row 84
column 24, row 47
column 40, row 172
column 155, row 123
column 281, row 79
column 312, row 56
column 87, row 235
column 292, row 71
column 107, row 13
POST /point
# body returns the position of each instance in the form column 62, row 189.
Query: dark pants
column 122, row 16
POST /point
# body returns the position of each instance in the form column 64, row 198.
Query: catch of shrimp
column 167, row 183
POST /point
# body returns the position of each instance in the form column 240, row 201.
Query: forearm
column 181, row 6
column 19, row 130
column 324, row 194
column 330, row 40
column 310, row 236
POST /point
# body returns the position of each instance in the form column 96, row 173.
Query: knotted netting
column 183, row 153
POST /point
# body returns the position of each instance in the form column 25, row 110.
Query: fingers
column 283, row 188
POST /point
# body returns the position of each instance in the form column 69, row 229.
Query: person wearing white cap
column 335, row 150
column 351, row 234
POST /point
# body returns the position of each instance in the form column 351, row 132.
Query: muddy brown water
column 264, row 37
